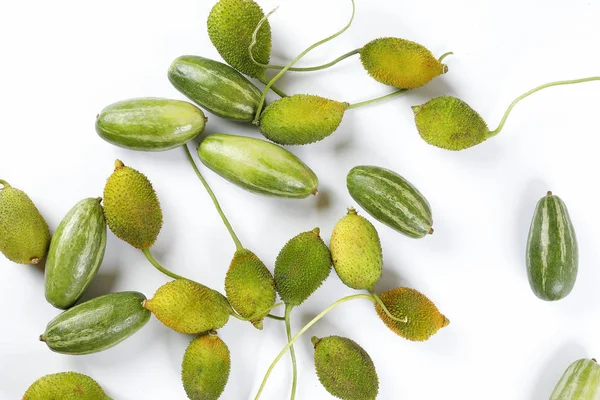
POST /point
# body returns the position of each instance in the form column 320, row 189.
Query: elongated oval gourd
column 24, row 234
column 65, row 386
column 216, row 87
column 76, row 252
column 390, row 199
column 258, row 166
column 205, row 368
column 301, row 119
column 150, row 124
column 400, row 63
column 97, row 324
column 552, row 253
column 345, row 369
column 581, row 381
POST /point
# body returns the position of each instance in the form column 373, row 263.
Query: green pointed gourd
column 581, row 381
column 301, row 267
column 65, row 386
column 205, row 368
column 76, row 252
column 24, row 234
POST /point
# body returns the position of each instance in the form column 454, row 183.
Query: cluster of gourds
column 130, row 208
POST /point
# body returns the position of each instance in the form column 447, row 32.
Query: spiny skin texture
column 450, row 123
column 400, row 63
column 552, row 254
column 345, row 369
column 24, row 234
column 301, row 119
column 356, row 251
column 424, row 319
column 189, row 307
column 205, row 367
column 65, row 386
column 249, row 286
column 131, row 207
column 301, row 267
column 581, row 381
column 231, row 24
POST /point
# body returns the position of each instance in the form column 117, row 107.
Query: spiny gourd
column 301, row 267
column 249, row 287
column 400, row 63
column 131, row 207
column 231, row 24
column 345, row 369
column 189, row 307
column 205, row 367
column 301, row 119
column 65, row 386
column 24, row 234
column 423, row 319
column 356, row 251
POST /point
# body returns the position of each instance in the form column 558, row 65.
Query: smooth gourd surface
column 581, row 381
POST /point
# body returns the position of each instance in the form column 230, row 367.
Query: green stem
column 288, row 330
column 303, row 330
column 238, row 244
column 275, row 317
column 160, row 267
column 4, row 183
column 378, row 99
column 532, row 91
column 294, row 61
column 316, row 68
column 385, row 309
column 274, row 88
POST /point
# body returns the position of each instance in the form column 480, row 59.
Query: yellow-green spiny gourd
column 356, row 251
column 189, row 307
column 400, row 63
column 423, row 319
column 301, row 267
column 345, row 369
column 231, row 24
column 131, row 207
column 65, row 386
column 205, row 368
column 301, row 119
column 249, row 287
column 24, row 234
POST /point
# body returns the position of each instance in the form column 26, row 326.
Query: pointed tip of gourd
column 119, row 164
column 549, row 193
column 594, row 360
column 446, row 322
column 34, row 260
column 315, row 341
column 444, row 69
column 315, row 192
column 417, row 109
column 317, row 231
column 258, row 324
column 431, row 231
column 42, row 338
column 352, row 211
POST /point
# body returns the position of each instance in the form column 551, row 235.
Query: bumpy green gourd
column 205, row 367
column 24, row 234
column 581, row 381
column 301, row 267
column 356, row 251
column 301, row 119
column 400, row 63
column 131, row 207
column 230, row 27
column 65, row 386
column 423, row 319
column 345, row 369
column 250, row 287
column 189, row 307
column 76, row 252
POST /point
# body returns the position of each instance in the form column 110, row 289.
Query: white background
column 63, row 61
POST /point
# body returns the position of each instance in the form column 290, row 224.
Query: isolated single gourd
column 150, row 124
column 400, row 63
column 391, row 199
column 24, row 234
column 65, row 386
column 131, row 207
column 301, row 119
column 356, row 251
column 189, row 307
column 205, row 368
column 345, row 369
column 249, row 287
column 76, row 252
column 423, row 319
column 216, row 87
column 581, row 381
column 97, row 324
column 552, row 253
column 231, row 24
column 301, row 267
column 258, row 166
